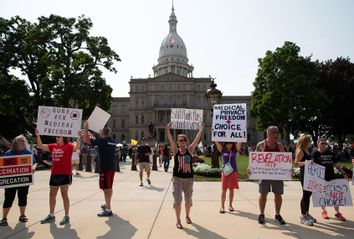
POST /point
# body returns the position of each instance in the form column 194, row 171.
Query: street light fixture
column 213, row 94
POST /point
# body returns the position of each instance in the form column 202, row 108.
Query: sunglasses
column 322, row 143
column 182, row 140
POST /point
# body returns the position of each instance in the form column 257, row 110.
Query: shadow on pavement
column 19, row 231
column 202, row 232
column 63, row 232
column 119, row 228
column 339, row 229
column 154, row 188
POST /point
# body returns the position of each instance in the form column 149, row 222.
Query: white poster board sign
column 335, row 193
column 229, row 123
column 313, row 177
column 270, row 165
column 182, row 118
column 16, row 171
column 98, row 119
column 57, row 121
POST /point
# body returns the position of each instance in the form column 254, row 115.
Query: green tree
column 61, row 64
column 337, row 79
column 286, row 92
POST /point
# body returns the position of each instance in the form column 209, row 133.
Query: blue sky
column 224, row 38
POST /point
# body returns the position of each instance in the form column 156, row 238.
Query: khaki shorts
column 144, row 165
column 275, row 186
column 180, row 185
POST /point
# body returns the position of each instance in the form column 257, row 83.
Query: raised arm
column 196, row 140
column 170, row 139
column 42, row 146
column 238, row 146
column 218, row 146
column 86, row 137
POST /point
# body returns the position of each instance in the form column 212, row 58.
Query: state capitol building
column 147, row 111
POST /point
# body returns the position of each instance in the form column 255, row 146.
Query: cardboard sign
column 57, row 121
column 186, row 118
column 313, row 177
column 335, row 193
column 270, row 165
column 16, row 171
column 229, row 123
column 98, row 119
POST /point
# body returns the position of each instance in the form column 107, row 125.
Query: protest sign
column 270, row 165
column 57, row 121
column 186, row 118
column 229, row 123
column 313, row 176
column 16, row 171
column 98, row 119
column 335, row 193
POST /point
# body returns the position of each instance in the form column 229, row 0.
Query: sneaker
column 48, row 219
column 141, row 184
column 3, row 222
column 105, row 213
column 311, row 218
column 261, row 219
column 65, row 220
column 279, row 220
column 103, row 207
column 77, row 174
column 306, row 221
column 325, row 215
column 339, row 216
column 149, row 181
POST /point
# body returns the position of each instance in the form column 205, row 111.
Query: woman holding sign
column 61, row 174
column 301, row 155
column 19, row 147
column 182, row 172
column 229, row 175
column 326, row 158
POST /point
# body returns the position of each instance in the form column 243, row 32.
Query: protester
column 106, row 150
column 271, row 144
column 19, row 146
column 302, row 154
column 229, row 153
column 182, row 172
column 326, row 158
column 166, row 157
column 61, row 173
column 143, row 159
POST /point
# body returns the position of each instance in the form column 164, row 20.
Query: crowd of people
column 63, row 154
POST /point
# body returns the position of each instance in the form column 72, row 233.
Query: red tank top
column 268, row 149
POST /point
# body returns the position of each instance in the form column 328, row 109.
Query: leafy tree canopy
column 60, row 63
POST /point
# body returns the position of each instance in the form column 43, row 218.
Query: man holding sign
column 326, row 158
column 271, row 144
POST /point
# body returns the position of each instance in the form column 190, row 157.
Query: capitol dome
column 173, row 53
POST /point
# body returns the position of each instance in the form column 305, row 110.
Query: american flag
column 184, row 163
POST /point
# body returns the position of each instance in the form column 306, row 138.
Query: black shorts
column 60, row 180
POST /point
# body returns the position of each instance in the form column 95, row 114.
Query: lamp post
column 213, row 95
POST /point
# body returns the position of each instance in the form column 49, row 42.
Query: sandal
column 179, row 225
column 222, row 210
column 231, row 209
column 188, row 220
column 4, row 222
column 23, row 218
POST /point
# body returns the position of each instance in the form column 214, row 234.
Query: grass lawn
column 242, row 164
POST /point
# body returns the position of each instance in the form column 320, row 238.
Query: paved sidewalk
column 146, row 212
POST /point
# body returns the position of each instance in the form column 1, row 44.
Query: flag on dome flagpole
column 133, row 142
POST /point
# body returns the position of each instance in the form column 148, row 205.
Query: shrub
column 205, row 170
